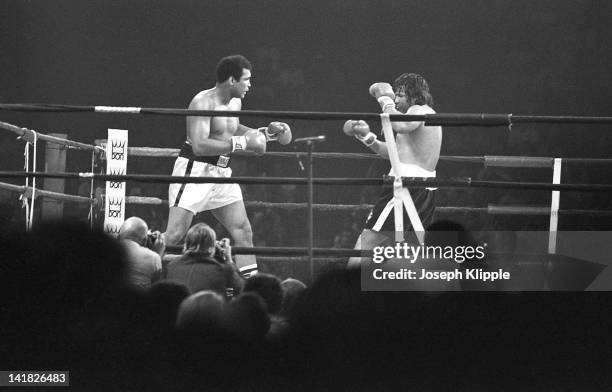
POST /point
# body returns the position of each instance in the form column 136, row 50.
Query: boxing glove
column 253, row 141
column 361, row 130
column 383, row 92
column 277, row 131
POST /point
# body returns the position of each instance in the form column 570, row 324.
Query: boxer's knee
column 179, row 221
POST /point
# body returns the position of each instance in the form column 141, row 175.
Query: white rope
column 91, row 190
column 23, row 197
column 28, row 200
column 32, row 201
column 117, row 109
column 554, row 209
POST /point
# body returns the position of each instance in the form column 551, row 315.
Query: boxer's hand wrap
column 386, row 103
column 264, row 130
column 238, row 143
column 253, row 141
column 368, row 139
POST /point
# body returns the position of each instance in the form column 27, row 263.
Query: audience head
column 269, row 288
column 201, row 312
column 248, row 318
column 134, row 229
column 292, row 289
column 200, row 238
column 165, row 297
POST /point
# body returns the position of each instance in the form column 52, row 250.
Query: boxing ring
column 29, row 192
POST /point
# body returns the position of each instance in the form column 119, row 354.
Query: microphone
column 310, row 139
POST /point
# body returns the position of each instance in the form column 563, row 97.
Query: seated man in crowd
column 206, row 264
column 143, row 251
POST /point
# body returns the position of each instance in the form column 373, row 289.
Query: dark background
column 521, row 57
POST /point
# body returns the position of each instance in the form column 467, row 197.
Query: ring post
column 310, row 141
column 55, row 161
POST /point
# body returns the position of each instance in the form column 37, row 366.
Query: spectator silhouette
column 292, row 290
column 204, row 265
column 144, row 263
column 165, row 297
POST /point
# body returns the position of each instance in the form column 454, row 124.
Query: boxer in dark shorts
column 418, row 147
column 381, row 217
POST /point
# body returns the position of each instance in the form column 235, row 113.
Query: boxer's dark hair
column 415, row 87
column 232, row 66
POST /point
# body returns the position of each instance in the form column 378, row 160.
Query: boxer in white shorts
column 201, row 197
column 211, row 141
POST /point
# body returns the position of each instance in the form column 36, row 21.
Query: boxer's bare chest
column 223, row 127
column 420, row 147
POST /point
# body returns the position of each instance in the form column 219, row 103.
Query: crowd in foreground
column 70, row 302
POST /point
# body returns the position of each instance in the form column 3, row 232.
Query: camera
column 219, row 253
column 152, row 236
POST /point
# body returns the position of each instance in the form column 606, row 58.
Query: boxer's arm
column 361, row 131
column 275, row 131
column 242, row 129
column 380, row 148
column 198, row 131
column 408, row 126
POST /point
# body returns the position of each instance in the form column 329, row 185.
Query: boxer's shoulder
column 420, row 109
column 204, row 100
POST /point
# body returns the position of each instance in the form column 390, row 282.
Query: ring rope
column 26, row 191
column 448, row 119
column 286, row 251
column 492, row 209
column 28, row 135
column 427, row 182
column 333, row 252
column 488, row 160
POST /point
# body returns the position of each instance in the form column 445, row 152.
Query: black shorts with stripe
column 382, row 217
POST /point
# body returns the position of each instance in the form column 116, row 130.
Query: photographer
column 144, row 250
column 206, row 264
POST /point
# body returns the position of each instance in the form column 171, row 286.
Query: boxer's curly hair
column 232, row 66
column 415, row 87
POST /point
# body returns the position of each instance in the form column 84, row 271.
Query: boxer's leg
column 179, row 220
column 234, row 218
column 367, row 240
